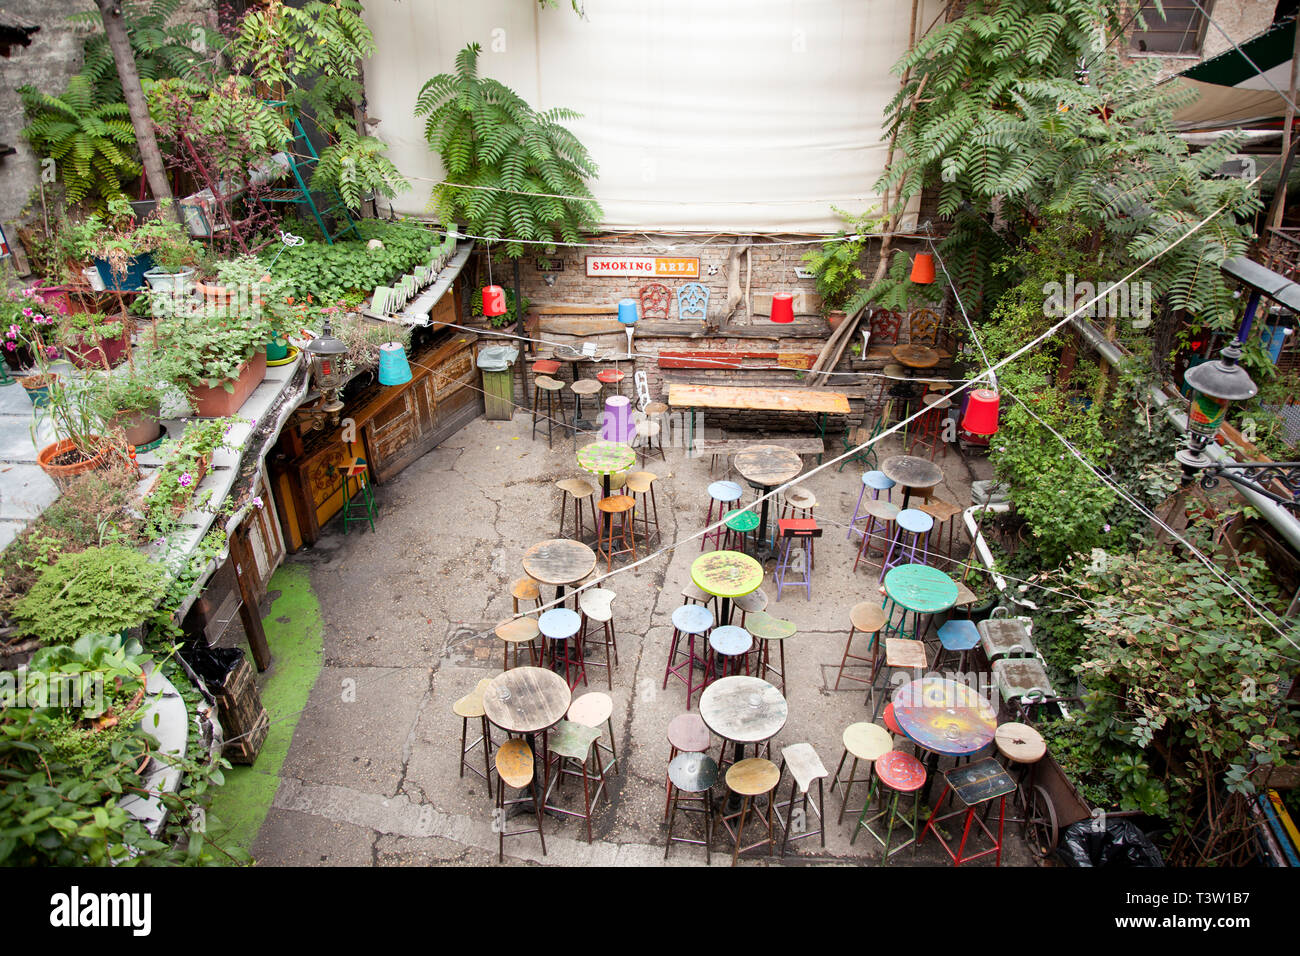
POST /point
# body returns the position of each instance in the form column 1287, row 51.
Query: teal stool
column 740, row 525
column 958, row 637
column 358, row 506
column 917, row 590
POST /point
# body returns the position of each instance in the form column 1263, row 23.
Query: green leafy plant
column 177, row 480
column 355, row 167
column 508, row 166
column 835, row 266
column 100, row 590
column 206, row 344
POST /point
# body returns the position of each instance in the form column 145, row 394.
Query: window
column 1180, row 31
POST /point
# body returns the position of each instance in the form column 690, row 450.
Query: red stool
column 545, row 367
column 974, row 785
column 930, row 426
column 900, row 774
column 611, row 376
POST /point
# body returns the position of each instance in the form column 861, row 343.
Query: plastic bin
column 495, row 363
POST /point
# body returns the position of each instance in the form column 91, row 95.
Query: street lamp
column 1218, row 383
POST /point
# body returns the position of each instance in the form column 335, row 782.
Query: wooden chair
column 923, row 327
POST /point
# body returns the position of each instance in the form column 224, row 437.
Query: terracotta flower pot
column 99, row 353
column 217, row 402
column 140, row 427
column 836, row 319
column 62, row 473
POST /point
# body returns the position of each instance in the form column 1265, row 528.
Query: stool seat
column 525, row 589
column 867, row 616
column 901, row 652
column 798, row 497
column 964, row 595
column 597, row 603
column 546, row 367
column 693, row 592
column 640, row 481
column 1020, row 743
column 689, row 733
column 591, row 710
column 547, row 384
column 616, row 504
column 938, row 509
column 900, row 771
column 797, row 527
column 804, row 765
column 585, row 386
column 725, row 491
column 881, row 510
column 894, row 370
column 610, row 376
column 937, row 400
column 520, row 630
column 730, row 640
column 471, row 705
column 755, row 600
column 571, row 739
column 656, row 408
column 693, row 772
column 753, row 776
column 891, row 722
column 867, row 741
column 877, row 481
column 559, row 623
column 742, row 520
column 766, row 627
column 578, row 487
column 515, row 763
column 692, row 619
column 647, row 429
column 911, row 519
column 958, row 635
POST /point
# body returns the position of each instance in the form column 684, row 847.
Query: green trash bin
column 495, row 363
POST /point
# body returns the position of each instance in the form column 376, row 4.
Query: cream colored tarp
column 725, row 116
column 1221, row 107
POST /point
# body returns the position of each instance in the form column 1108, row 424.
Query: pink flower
column 27, row 312
column 186, row 479
column 257, row 501
column 9, row 346
column 52, row 351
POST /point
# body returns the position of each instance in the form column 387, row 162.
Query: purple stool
column 916, row 526
column 796, row 567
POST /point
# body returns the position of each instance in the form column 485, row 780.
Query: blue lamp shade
column 627, row 311
column 393, row 367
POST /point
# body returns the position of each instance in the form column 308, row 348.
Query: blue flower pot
column 135, row 270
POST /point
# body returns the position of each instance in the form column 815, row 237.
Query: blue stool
column 877, row 482
column 721, row 493
column 560, row 625
column 691, row 620
column 729, row 647
column 913, row 527
column 958, row 637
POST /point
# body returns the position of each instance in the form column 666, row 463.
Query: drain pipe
column 1114, row 356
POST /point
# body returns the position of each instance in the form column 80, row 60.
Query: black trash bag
column 1115, row 843
column 212, row 664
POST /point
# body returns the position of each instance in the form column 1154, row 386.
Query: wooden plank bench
column 818, row 402
column 731, row 446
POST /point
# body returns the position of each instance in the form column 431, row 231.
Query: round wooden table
column 767, row 466
column 943, row 717
column 528, row 700
column 559, row 562
column 915, row 356
column 744, row 710
column 726, row 575
column 606, row 457
column 913, row 474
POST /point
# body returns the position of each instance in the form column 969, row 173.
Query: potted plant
column 70, row 409
column 187, row 462
column 95, row 340
column 234, row 280
column 835, row 268
column 125, row 251
column 176, row 259
column 219, row 358
column 130, row 397
column 26, row 319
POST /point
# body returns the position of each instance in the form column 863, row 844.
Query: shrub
column 98, row 591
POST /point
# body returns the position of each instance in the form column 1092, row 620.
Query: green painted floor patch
column 295, row 634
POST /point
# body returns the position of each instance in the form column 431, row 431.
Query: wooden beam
column 241, row 554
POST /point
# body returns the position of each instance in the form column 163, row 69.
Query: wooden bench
column 730, row 446
column 818, row 402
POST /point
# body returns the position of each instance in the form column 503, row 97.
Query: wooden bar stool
column 865, row 742
column 544, row 385
column 693, row 774
column 729, row 648
column 755, row 600
column 881, row 519
column 899, row 654
column 877, row 482
column 750, row 779
column 514, row 765
column 583, row 386
column 516, row 631
column 1021, row 746
column 642, row 485
column 900, row 774
column 689, row 621
column 648, row 439
column 867, row 617
column 973, row 786
column 805, row 767
column 929, row 427
column 687, row 734
column 592, row 710
column 525, row 589
column 768, row 630
column 579, row 490
column 571, row 754
column 944, row 514
column 722, row 494
column 467, row 708
column 596, row 605
column 694, row 594
column 561, row 626
column 623, row 507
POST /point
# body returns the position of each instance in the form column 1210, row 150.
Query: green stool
column 360, row 506
column 740, row 525
column 918, row 591
column 898, row 773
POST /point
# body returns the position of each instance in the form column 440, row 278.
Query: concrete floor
column 370, row 776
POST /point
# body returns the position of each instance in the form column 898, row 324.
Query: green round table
column 606, row 457
column 920, row 589
column 726, row 575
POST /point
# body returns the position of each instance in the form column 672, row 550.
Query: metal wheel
column 1040, row 822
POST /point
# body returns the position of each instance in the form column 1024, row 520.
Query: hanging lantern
column 782, row 307
column 327, row 367
column 494, row 300
column 393, row 367
column 981, row 412
column 923, row 269
column 1215, row 385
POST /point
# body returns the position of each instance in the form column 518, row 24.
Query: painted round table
column 559, row 562
column 915, row 356
column 603, row 458
column 767, row 466
column 912, row 473
column 917, row 589
column 527, row 700
column 726, row 575
column 944, row 717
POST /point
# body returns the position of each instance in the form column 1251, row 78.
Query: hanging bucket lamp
column 783, row 308
column 494, row 301
column 981, row 412
column 923, row 269
column 393, row 367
